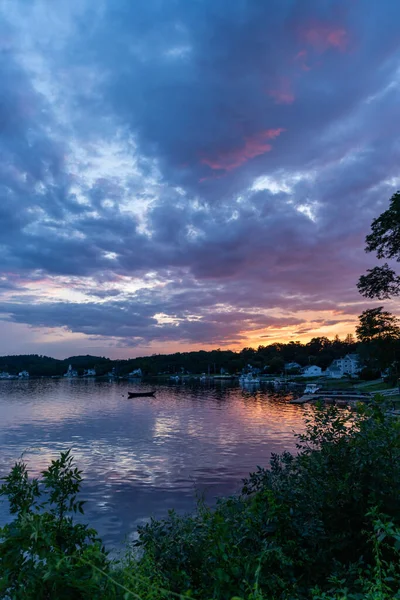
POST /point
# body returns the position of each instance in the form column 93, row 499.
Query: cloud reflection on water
column 144, row 456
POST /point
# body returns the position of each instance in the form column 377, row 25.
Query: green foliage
column 298, row 526
column 380, row 581
column 379, row 332
column 43, row 553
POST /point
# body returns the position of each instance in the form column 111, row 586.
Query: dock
column 332, row 397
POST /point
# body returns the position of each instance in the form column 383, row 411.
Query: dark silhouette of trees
column 379, row 334
column 382, row 281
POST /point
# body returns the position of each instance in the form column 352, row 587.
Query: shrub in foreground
column 45, row 555
column 300, row 525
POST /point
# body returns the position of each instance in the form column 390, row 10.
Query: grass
column 395, row 398
column 375, row 386
column 338, row 384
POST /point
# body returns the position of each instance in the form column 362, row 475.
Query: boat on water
column 141, row 394
column 311, row 388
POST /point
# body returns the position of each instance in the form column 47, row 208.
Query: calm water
column 144, row 456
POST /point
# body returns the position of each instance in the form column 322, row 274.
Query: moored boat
column 311, row 388
column 140, row 394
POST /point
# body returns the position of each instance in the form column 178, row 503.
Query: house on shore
column 89, row 373
column 135, row 374
column 348, row 365
column 71, row 373
column 334, row 371
column 5, row 375
column 112, row 374
column 311, row 371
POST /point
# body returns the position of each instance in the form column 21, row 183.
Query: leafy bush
column 368, row 374
column 297, row 526
column 43, row 553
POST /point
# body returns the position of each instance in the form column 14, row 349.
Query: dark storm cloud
column 212, row 104
column 177, row 109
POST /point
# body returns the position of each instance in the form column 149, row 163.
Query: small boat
column 140, row 394
column 311, row 388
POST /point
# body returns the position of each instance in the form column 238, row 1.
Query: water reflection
column 143, row 456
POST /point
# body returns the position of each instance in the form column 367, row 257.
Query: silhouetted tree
column 379, row 334
column 377, row 324
column 384, row 239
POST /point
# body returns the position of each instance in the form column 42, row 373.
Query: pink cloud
column 282, row 93
column 301, row 58
column 322, row 36
column 254, row 145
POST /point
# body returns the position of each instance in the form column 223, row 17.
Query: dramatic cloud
column 191, row 173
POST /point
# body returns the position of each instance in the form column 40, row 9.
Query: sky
column 186, row 174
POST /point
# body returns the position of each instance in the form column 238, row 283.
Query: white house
column 5, row 375
column 71, row 372
column 135, row 373
column 333, row 372
column 23, row 375
column 311, row 371
column 89, row 373
column 112, row 374
column 348, row 365
column 351, row 364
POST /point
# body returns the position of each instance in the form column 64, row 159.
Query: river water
column 144, row 456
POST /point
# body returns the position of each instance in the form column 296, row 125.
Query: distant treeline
column 272, row 358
